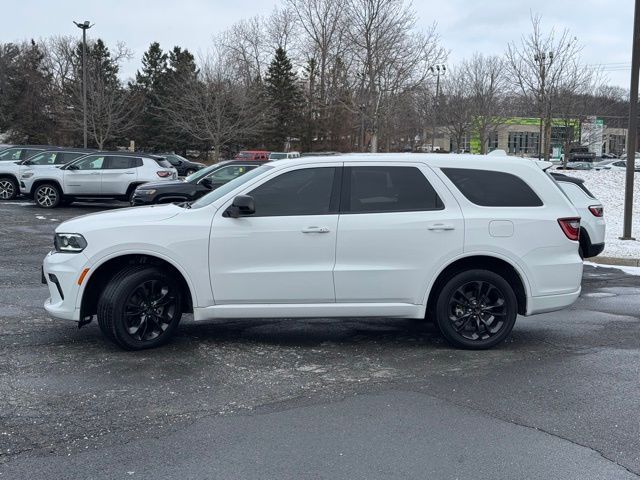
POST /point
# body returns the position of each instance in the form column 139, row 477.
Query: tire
column 8, row 188
column 47, row 195
column 189, row 172
column 476, row 319
column 135, row 288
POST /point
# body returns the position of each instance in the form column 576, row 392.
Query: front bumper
column 60, row 271
column 138, row 200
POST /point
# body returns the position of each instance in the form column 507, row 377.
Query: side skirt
column 309, row 310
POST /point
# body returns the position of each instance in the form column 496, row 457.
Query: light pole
column 86, row 25
column 436, row 70
column 633, row 123
column 541, row 59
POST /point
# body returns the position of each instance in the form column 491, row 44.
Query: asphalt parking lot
column 292, row 399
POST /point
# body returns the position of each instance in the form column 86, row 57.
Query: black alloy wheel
column 476, row 309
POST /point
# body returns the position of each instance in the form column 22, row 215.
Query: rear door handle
column 315, row 230
column 440, row 227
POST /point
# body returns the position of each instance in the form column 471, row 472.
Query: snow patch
column 627, row 270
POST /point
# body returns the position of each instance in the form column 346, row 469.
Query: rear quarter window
column 489, row 188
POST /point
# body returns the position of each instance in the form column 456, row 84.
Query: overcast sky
column 604, row 27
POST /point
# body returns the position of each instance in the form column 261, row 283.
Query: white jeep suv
column 100, row 175
column 469, row 242
column 11, row 172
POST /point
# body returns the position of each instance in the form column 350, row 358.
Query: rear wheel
column 140, row 307
column 476, row 309
column 8, row 188
column 47, row 195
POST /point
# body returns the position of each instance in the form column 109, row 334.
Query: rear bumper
column 551, row 303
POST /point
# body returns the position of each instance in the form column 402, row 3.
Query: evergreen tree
column 30, row 96
column 151, row 85
column 285, row 99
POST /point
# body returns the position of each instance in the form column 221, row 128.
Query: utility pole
column 633, row 123
column 541, row 59
column 86, row 25
column 436, row 70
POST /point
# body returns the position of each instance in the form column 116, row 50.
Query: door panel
column 285, row 252
column 87, row 178
column 393, row 256
column 120, row 172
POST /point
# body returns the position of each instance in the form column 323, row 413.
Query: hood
column 167, row 183
column 121, row 217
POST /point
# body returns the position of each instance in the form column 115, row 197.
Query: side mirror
column 242, row 205
column 207, row 182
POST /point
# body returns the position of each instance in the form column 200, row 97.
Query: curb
column 623, row 262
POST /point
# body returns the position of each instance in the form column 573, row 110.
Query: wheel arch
column 494, row 264
column 104, row 271
column 11, row 176
column 41, row 181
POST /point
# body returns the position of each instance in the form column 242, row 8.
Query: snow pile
column 608, row 187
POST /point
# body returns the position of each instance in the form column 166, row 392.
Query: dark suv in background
column 194, row 186
column 182, row 165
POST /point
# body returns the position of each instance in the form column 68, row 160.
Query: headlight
column 27, row 175
column 69, row 242
column 146, row 192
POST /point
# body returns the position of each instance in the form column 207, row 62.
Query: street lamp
column 436, row 71
column 86, row 25
column 541, row 60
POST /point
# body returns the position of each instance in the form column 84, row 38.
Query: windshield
column 277, row 156
column 228, row 187
column 202, row 172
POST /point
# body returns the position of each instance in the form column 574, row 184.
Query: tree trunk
column 374, row 142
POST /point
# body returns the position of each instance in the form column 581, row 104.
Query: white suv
column 11, row 172
column 469, row 242
column 100, row 175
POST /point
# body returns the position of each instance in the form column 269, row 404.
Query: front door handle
column 440, row 227
column 315, row 230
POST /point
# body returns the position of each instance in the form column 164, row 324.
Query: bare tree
column 390, row 58
column 457, row 106
column 281, row 30
column 486, row 84
column 541, row 66
column 215, row 107
column 247, row 48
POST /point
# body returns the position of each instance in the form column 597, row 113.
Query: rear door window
column 489, row 188
column 120, row 163
column 378, row 189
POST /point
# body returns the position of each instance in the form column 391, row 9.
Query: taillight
column 597, row 210
column 570, row 227
column 163, row 173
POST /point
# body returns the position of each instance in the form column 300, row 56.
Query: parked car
column 183, row 166
column 383, row 235
column 578, row 153
column 22, row 152
column 282, row 155
column 97, row 176
column 11, row 172
column 576, row 166
column 252, row 155
column 592, row 223
column 4, row 146
column 620, row 165
column 194, row 186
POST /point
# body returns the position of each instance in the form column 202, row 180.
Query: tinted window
column 11, row 154
column 29, row 152
column 389, row 189
column 163, row 162
column 225, row 174
column 121, row 163
column 492, row 189
column 299, row 192
column 46, row 158
column 66, row 157
column 92, row 162
column 173, row 160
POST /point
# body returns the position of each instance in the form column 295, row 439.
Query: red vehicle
column 252, row 155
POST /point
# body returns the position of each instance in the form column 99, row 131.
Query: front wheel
column 47, row 195
column 476, row 309
column 8, row 188
column 140, row 307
